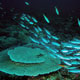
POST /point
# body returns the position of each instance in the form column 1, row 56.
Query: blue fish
column 74, row 70
column 54, row 51
column 26, row 19
column 76, row 47
column 35, row 41
column 44, row 40
column 49, row 36
column 71, row 68
column 56, row 44
column 47, row 31
column 52, row 55
column 31, row 23
column 23, row 26
column 35, row 35
column 59, row 56
column 54, row 37
column 39, row 28
column 75, row 63
column 77, row 54
column 75, row 42
column 29, row 16
column 47, row 20
column 22, row 18
column 34, row 20
column 78, row 22
column 67, row 45
column 57, row 11
column 67, row 63
column 36, row 29
column 64, row 51
column 26, row 3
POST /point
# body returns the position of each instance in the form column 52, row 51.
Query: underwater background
column 40, row 39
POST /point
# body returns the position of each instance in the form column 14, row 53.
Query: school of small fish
column 67, row 52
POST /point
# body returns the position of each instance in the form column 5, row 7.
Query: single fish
column 56, row 44
column 28, row 16
column 44, row 40
column 54, row 37
column 26, row 19
column 49, row 36
column 64, row 51
column 75, row 42
column 34, row 19
column 76, row 47
column 52, row 55
column 26, row 3
column 67, row 45
column 35, row 41
column 67, row 63
column 30, row 22
column 75, row 63
column 39, row 28
column 74, row 70
column 67, row 67
column 64, row 66
column 23, row 26
column 22, row 18
column 36, row 29
column 35, row 35
column 47, row 32
column 47, row 20
column 77, row 54
column 54, row 51
column 42, row 43
column 59, row 56
column 78, row 22
column 57, row 11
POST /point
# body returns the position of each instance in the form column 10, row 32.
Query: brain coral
column 27, row 61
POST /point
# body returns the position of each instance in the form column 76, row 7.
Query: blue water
column 66, row 7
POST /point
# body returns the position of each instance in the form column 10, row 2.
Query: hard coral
column 20, row 66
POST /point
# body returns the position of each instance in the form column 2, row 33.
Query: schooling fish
column 78, row 22
column 47, row 20
column 57, row 11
